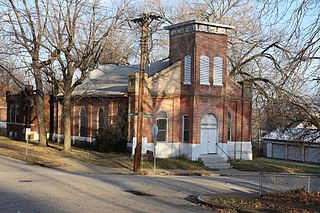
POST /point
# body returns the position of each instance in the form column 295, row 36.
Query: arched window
column 204, row 70
column 100, row 120
column 162, row 122
column 83, row 123
column 187, row 69
column 217, row 71
column 209, row 121
column 229, row 127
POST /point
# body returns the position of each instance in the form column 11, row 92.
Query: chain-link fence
column 272, row 183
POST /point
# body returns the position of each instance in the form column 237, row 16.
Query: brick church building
column 198, row 108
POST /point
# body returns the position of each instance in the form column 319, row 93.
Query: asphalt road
column 27, row 188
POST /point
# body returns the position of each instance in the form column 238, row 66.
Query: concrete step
column 218, row 166
column 214, row 161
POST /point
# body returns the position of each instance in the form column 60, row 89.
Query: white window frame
column 167, row 125
column 12, row 114
column 187, row 70
column 204, row 60
column 215, row 72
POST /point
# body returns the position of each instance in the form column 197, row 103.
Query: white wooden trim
column 204, row 70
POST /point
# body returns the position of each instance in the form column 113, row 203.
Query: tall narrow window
column 162, row 122
column 27, row 116
column 110, row 113
column 229, row 127
column 83, row 123
column 100, row 120
column 204, row 70
column 187, row 69
column 217, row 71
column 17, row 114
column 12, row 114
column 186, row 129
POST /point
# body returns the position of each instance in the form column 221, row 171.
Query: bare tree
column 119, row 48
column 273, row 46
column 76, row 35
column 26, row 22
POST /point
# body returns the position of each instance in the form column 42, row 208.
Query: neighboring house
column 197, row 107
column 299, row 144
column 3, row 116
column 21, row 114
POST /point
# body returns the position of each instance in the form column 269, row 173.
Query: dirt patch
column 294, row 201
column 298, row 196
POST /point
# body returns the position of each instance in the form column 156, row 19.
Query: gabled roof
column 112, row 80
column 295, row 135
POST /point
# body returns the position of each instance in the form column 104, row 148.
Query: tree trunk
column 67, row 121
column 40, row 108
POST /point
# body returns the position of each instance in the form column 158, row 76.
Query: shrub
column 107, row 141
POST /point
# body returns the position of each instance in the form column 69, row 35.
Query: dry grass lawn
column 49, row 156
column 272, row 165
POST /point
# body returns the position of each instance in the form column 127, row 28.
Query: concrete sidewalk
column 76, row 166
column 235, row 172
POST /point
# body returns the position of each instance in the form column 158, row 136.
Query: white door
column 209, row 134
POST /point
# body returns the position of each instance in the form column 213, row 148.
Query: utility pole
column 144, row 21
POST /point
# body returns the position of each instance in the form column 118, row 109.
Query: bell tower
column 203, row 43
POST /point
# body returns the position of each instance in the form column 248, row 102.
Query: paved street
column 26, row 188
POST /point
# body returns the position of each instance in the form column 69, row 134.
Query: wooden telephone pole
column 144, row 21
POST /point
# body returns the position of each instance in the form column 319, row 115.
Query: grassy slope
column 174, row 163
column 16, row 149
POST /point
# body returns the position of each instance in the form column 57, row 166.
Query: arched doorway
column 209, row 136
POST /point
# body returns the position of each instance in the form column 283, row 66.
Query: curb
column 169, row 173
column 200, row 201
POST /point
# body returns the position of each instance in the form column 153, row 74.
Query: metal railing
column 223, row 151
column 283, row 182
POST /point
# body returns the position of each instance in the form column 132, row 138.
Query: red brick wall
column 23, row 101
column 111, row 109
column 171, row 105
column 198, row 100
column 3, row 109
